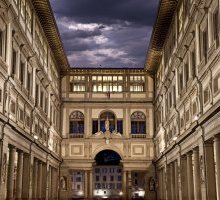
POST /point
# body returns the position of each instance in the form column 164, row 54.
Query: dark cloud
column 107, row 11
column 111, row 33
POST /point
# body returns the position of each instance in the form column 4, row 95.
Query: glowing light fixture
column 196, row 118
column 36, row 137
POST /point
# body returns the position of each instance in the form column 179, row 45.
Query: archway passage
column 107, row 175
column 107, row 157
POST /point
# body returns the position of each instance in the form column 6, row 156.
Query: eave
column 48, row 23
column 164, row 18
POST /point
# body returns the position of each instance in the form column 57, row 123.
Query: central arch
column 107, row 174
column 107, row 147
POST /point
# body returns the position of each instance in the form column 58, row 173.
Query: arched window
column 77, row 123
column 138, row 123
column 111, row 118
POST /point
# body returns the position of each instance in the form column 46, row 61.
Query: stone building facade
column 29, row 102
column 187, row 85
column 93, row 97
column 55, row 120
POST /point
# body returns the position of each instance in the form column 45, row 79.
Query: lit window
column 137, row 83
column 77, row 84
column 107, row 83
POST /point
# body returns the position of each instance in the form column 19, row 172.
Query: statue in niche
column 63, row 183
column 107, row 124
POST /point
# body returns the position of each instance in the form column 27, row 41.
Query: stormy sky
column 106, row 33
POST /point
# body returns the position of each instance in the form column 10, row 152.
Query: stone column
column 176, row 180
column 129, row 185
column 190, row 176
column 210, row 30
column 27, row 178
column 91, row 184
column 39, row 180
column 9, row 47
column 169, row 190
column 196, row 175
column 10, row 177
column 172, row 181
column 124, row 184
column 35, row 175
column 19, row 175
column 183, row 172
column 197, row 46
column 86, row 194
column 210, row 170
column 217, row 165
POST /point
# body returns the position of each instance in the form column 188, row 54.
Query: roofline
column 46, row 17
column 161, row 27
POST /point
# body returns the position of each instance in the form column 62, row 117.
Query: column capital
column 12, row 147
column 20, row 151
column 216, row 138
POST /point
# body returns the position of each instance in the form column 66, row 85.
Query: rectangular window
column 20, row 114
column 0, row 95
column 27, row 121
column 193, row 63
column 97, row 178
column 120, row 126
column 14, row 62
column 216, row 26
column 181, row 122
column 41, row 99
column 181, row 81
column 22, row 72
column 78, row 187
column 37, row 94
column 194, row 108
column 206, row 95
column 186, row 66
column 78, row 179
column 174, row 95
column 1, row 43
column 187, row 115
column 204, row 44
column 12, row 107
column 46, row 105
column 216, row 84
column 29, row 82
column 94, row 126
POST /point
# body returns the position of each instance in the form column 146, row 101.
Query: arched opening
column 107, row 116
column 107, row 157
column 107, row 175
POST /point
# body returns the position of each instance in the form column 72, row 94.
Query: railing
column 76, row 135
column 138, row 135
